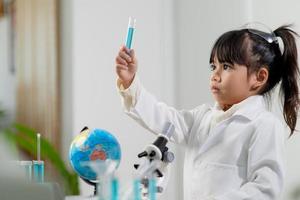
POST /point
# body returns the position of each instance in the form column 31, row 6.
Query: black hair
column 244, row 47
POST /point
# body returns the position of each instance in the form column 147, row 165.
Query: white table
column 80, row 198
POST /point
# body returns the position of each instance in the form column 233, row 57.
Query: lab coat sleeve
column 143, row 107
column 265, row 171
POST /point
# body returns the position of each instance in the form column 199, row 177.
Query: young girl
column 234, row 150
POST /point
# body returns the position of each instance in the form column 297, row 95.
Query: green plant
column 2, row 115
column 25, row 139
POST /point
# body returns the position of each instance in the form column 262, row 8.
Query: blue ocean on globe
column 93, row 145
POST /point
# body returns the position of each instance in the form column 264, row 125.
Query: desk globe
column 93, row 145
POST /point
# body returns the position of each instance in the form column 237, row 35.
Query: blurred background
column 57, row 71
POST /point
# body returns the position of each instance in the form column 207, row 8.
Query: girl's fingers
column 124, row 48
column 132, row 53
column 121, row 67
column 120, row 60
column 125, row 56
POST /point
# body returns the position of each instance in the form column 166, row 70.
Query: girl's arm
column 143, row 107
column 140, row 105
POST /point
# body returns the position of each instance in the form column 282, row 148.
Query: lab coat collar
column 248, row 108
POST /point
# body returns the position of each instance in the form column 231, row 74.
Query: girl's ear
column 260, row 78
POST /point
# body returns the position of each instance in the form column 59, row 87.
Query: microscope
column 157, row 153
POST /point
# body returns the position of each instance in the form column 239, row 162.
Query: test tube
column 38, row 165
column 130, row 32
column 38, row 171
column 136, row 189
column 26, row 166
column 114, row 188
column 152, row 189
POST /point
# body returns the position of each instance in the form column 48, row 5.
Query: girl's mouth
column 214, row 89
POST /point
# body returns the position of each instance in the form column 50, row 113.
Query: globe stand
column 104, row 171
column 92, row 184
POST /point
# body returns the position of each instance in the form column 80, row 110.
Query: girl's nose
column 215, row 77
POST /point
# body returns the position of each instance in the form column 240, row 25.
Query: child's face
column 230, row 83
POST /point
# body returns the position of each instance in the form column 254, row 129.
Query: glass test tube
column 136, row 189
column 38, row 171
column 130, row 31
column 26, row 166
column 114, row 189
column 152, row 189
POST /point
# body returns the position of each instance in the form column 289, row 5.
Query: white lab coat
column 232, row 155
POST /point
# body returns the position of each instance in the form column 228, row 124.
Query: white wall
column 7, row 78
column 93, row 31
column 200, row 23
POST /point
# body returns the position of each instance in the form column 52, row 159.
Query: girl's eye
column 212, row 67
column 226, row 66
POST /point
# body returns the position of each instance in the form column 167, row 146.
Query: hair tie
column 266, row 33
column 280, row 43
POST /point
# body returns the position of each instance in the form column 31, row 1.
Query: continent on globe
column 98, row 154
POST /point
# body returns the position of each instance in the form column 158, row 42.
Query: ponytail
column 290, row 76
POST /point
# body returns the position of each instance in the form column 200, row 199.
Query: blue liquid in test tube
column 114, row 189
column 152, row 189
column 136, row 190
column 130, row 32
column 38, row 171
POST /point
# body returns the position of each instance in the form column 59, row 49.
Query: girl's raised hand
column 126, row 66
